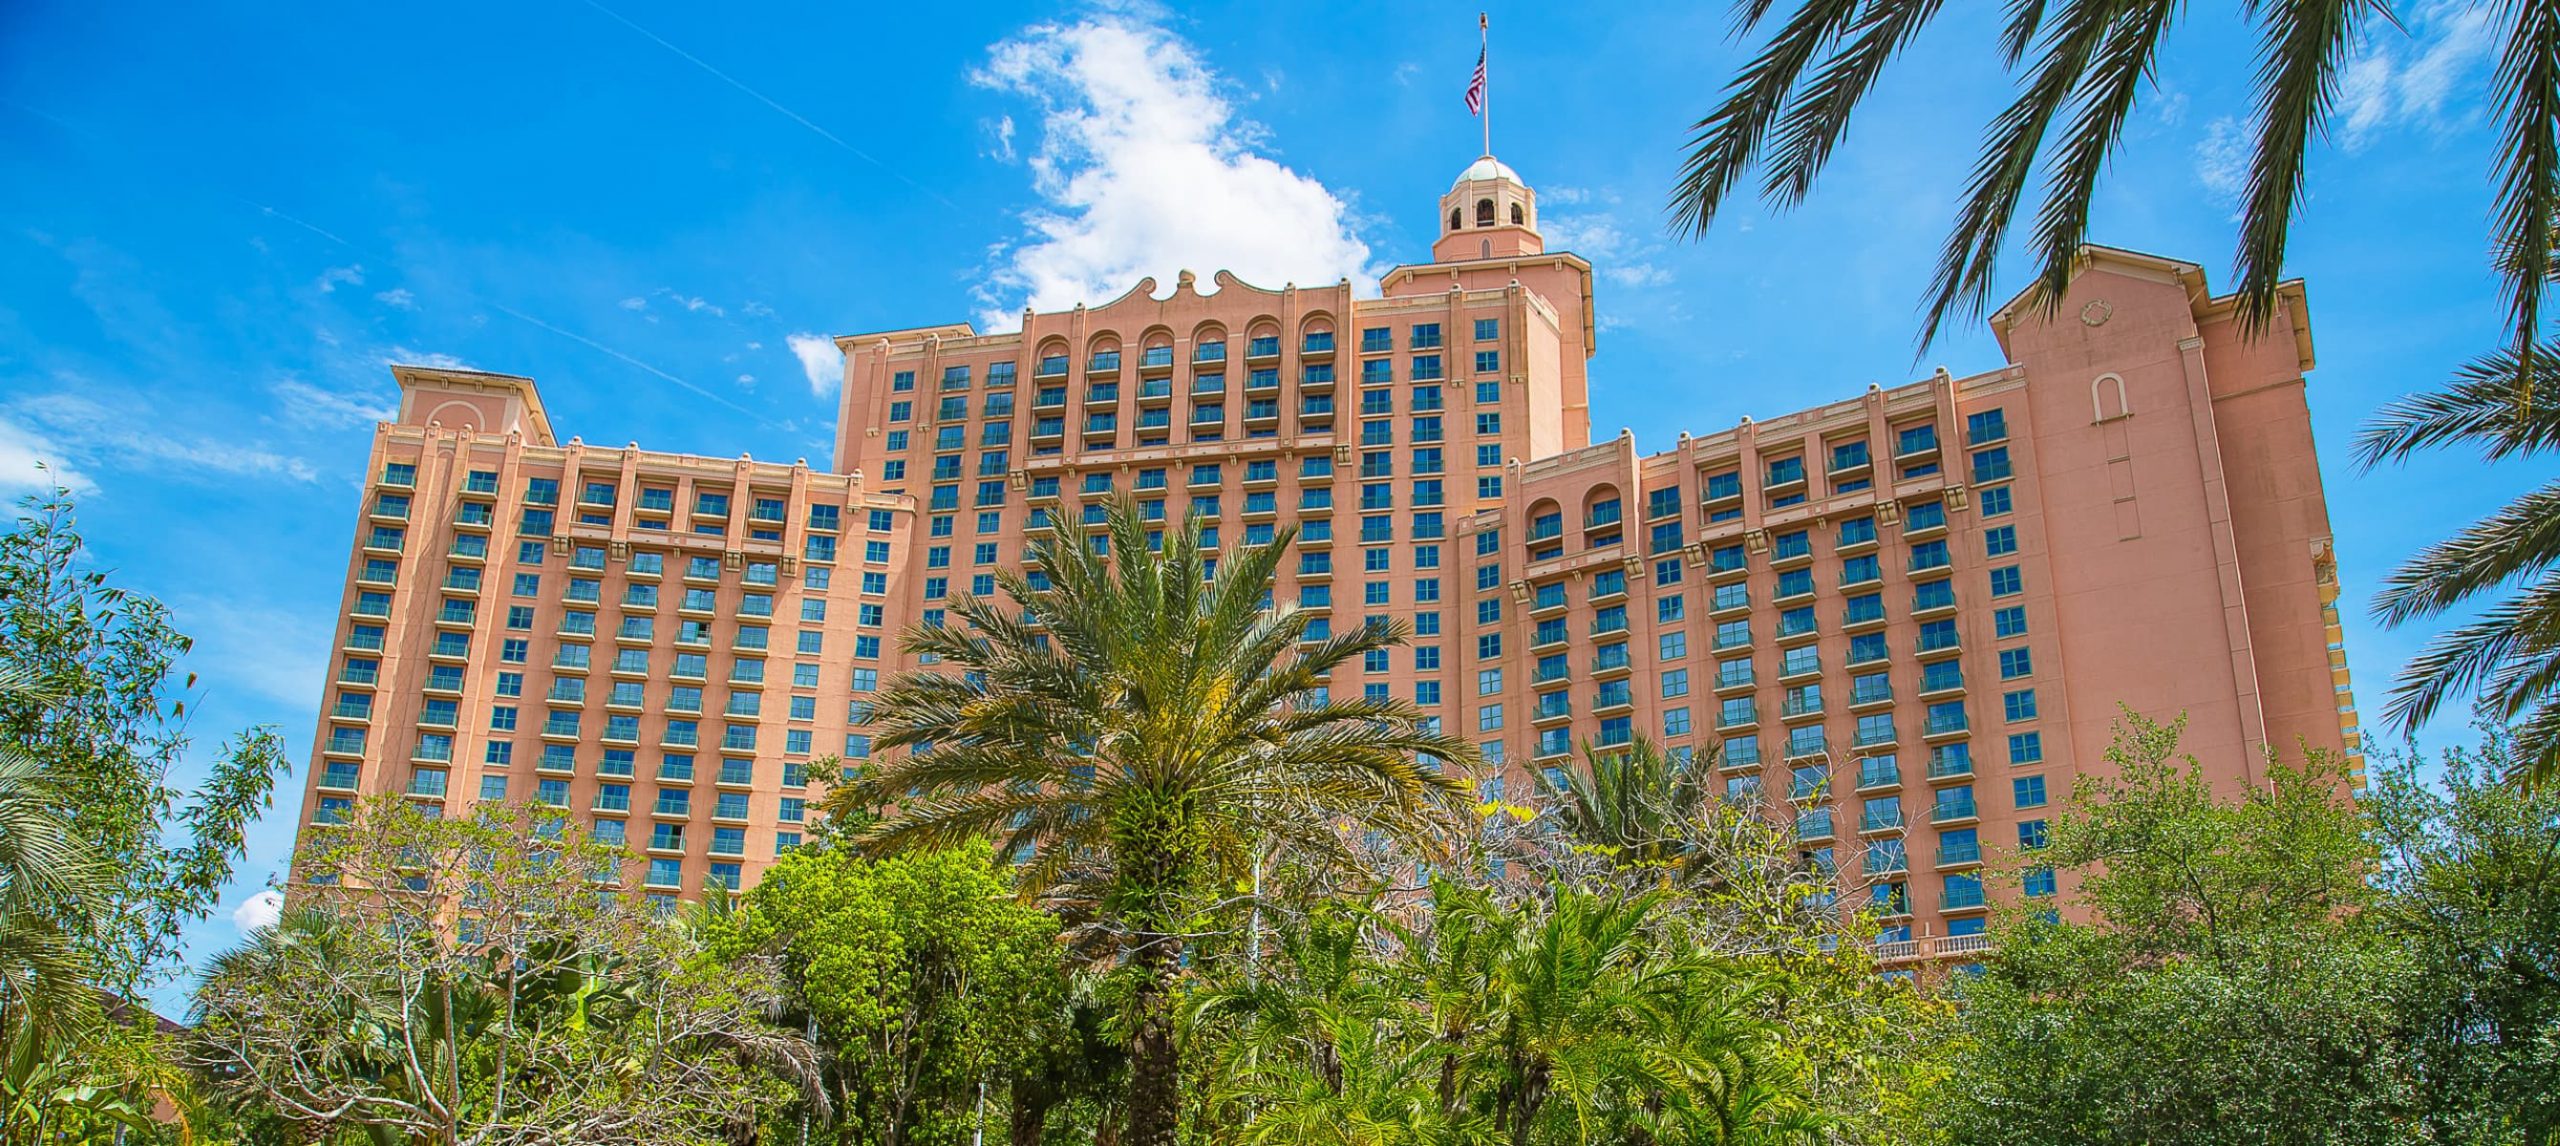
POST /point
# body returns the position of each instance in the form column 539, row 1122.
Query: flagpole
column 1484, row 31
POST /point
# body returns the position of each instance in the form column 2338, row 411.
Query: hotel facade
column 1905, row 618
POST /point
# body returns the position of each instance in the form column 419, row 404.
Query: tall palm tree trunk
column 1155, row 1062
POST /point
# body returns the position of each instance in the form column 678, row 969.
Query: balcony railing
column 1933, row 947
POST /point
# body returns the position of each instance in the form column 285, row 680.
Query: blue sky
column 218, row 223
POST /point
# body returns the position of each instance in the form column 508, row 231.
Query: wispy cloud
column 770, row 102
column 436, row 359
column 2420, row 80
column 304, row 404
column 397, row 298
column 335, row 277
column 695, row 305
column 30, row 462
column 279, row 653
column 2222, row 160
column 90, row 435
column 1589, row 225
column 1637, row 275
column 635, row 302
column 819, row 360
column 1145, row 167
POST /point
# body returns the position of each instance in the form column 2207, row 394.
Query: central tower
column 1489, row 241
column 1488, row 214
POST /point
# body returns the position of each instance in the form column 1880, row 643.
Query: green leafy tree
column 98, row 719
column 1143, row 728
column 922, row 979
column 2228, row 988
column 2084, row 65
column 2470, row 901
column 480, row 981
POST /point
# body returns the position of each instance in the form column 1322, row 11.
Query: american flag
column 1475, row 87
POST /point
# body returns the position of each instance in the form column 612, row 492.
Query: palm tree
column 1637, row 805
column 1145, row 721
column 2085, row 64
column 1574, row 1014
column 2510, row 654
column 47, row 878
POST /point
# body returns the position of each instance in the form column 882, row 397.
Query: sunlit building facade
column 1903, row 620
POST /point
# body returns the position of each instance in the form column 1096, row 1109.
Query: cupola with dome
column 1488, row 213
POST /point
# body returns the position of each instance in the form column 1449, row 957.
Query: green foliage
column 482, row 980
column 103, row 860
column 1140, row 734
column 2230, row 987
column 99, row 721
column 2470, row 906
column 1472, row 1017
column 920, row 976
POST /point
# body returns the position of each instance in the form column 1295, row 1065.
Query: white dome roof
column 1488, row 168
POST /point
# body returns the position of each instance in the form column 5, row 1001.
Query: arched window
column 1519, row 217
column 2101, row 410
column 1456, row 217
column 1484, row 212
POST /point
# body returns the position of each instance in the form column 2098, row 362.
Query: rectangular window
column 2007, row 582
column 2016, row 663
column 2019, row 705
column 2028, row 748
column 2029, row 791
column 2009, row 622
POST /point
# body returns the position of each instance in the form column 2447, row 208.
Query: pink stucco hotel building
column 1905, row 618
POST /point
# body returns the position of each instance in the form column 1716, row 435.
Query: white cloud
column 334, row 277
column 398, row 298
column 1001, row 131
column 2420, row 80
column 635, row 302
column 22, row 450
column 756, row 310
column 2222, row 160
column 820, row 360
column 258, row 912
column 1145, row 168
column 746, row 380
column 309, row 405
column 90, row 434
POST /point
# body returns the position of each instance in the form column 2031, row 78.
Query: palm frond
column 1724, row 144
column 2488, row 405
column 2519, row 540
column 2528, row 90
column 2305, row 47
